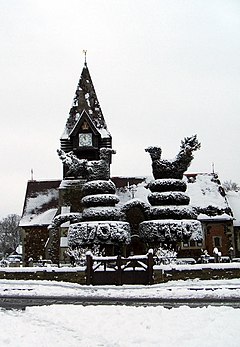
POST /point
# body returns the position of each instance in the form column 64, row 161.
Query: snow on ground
column 174, row 289
column 120, row 326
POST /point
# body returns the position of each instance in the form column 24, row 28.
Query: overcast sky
column 162, row 70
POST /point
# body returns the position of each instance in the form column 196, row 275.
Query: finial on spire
column 31, row 174
column 85, row 53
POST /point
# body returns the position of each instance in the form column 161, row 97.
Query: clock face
column 85, row 139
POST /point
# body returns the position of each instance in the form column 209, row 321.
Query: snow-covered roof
column 234, row 202
column 41, row 219
column 208, row 197
column 41, row 203
column 205, row 192
column 131, row 187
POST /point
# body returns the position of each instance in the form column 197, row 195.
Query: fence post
column 89, row 268
column 119, row 270
column 150, row 263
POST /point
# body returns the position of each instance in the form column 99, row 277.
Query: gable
column 84, row 124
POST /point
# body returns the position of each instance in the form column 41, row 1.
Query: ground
column 121, row 326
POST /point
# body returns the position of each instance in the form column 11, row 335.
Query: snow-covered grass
column 121, row 326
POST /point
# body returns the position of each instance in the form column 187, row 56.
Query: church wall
column 34, row 240
column 219, row 234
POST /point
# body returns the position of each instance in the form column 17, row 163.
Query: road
column 21, row 302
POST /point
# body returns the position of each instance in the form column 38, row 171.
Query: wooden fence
column 119, row 270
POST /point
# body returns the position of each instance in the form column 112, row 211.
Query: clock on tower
column 85, row 139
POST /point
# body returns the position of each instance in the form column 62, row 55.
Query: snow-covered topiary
column 98, row 187
column 155, row 231
column 170, row 217
column 97, row 232
column 91, row 170
column 172, row 212
column 168, row 198
column 173, row 168
column 135, row 203
column 72, row 217
column 100, row 200
column 167, row 184
column 102, row 213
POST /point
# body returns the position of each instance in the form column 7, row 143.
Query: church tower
column 85, row 131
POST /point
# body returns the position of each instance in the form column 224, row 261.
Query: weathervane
column 85, row 53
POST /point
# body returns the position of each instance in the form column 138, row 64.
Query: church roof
column 41, row 203
column 205, row 192
column 234, row 201
column 85, row 99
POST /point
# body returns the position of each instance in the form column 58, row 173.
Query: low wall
column 163, row 273
column 72, row 275
column 167, row 273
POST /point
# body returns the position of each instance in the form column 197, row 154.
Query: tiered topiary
column 171, row 219
column 101, row 220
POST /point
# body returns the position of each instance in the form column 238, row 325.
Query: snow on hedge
column 100, row 200
column 168, row 198
column 72, row 217
column 97, row 232
column 167, row 184
column 170, row 230
column 172, row 212
column 102, row 213
column 98, row 187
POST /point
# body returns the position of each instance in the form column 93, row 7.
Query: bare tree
column 9, row 233
column 230, row 186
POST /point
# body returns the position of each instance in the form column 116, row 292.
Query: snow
column 33, row 213
column 94, row 326
column 120, row 326
column 41, row 199
column 44, row 218
column 234, row 201
column 205, row 192
column 140, row 192
column 104, row 132
column 223, row 217
column 63, row 242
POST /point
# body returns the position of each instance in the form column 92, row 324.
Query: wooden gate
column 119, row 270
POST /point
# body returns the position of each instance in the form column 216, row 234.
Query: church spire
column 85, row 99
column 85, row 110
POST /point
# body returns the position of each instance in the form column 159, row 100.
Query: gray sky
column 162, row 70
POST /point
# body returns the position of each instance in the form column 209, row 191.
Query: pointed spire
column 85, row 99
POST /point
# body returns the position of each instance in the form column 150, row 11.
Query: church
column 50, row 207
